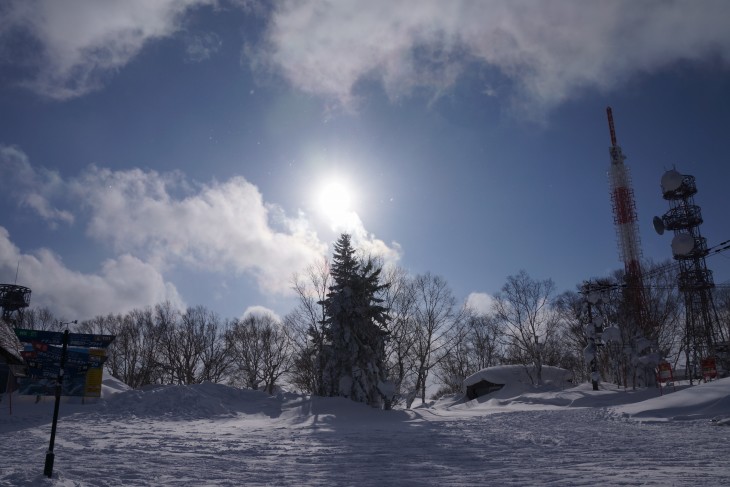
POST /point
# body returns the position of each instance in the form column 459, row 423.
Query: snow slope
column 210, row 434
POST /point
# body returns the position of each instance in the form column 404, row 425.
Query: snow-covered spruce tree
column 354, row 354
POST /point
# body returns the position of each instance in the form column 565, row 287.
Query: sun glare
column 335, row 201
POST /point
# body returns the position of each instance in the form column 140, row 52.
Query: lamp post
column 48, row 469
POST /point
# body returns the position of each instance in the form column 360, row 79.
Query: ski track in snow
column 577, row 447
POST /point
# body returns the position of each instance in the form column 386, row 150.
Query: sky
column 204, row 152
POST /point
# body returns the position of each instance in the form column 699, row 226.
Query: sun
column 335, row 195
column 334, row 200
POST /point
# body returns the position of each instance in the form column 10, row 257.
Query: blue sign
column 85, row 340
column 43, row 357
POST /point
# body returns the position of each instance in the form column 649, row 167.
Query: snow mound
column 216, row 401
column 197, row 401
column 709, row 400
column 110, row 385
column 520, row 396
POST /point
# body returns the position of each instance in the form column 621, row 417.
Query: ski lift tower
column 13, row 299
column 695, row 281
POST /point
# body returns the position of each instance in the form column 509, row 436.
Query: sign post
column 48, row 469
column 78, row 371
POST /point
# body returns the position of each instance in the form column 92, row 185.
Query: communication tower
column 627, row 231
column 689, row 248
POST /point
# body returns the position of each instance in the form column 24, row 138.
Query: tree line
column 378, row 335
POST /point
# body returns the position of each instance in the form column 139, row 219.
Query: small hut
column 493, row 379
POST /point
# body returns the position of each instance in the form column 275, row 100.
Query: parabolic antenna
column 658, row 225
column 682, row 244
column 671, row 180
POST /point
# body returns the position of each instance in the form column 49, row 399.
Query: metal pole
column 48, row 470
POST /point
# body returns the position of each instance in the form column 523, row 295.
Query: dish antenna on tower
column 671, row 181
column 683, row 244
column 658, row 225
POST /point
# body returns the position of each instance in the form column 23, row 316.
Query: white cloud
column 550, row 50
column 480, row 302
column 82, row 42
column 157, row 222
column 261, row 311
column 221, row 227
column 369, row 245
column 32, row 188
column 366, row 243
column 122, row 284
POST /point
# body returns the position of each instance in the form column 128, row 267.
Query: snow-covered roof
column 9, row 344
column 508, row 374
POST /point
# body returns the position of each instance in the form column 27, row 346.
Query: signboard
column 664, row 372
column 94, row 375
column 84, row 340
column 41, row 336
column 83, row 369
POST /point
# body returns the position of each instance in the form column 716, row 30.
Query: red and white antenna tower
column 627, row 228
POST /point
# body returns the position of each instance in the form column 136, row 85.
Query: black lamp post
column 48, row 469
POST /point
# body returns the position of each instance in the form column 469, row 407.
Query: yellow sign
column 95, row 374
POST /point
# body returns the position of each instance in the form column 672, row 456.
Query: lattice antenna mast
column 689, row 248
column 627, row 228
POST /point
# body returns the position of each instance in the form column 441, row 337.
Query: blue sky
column 205, row 151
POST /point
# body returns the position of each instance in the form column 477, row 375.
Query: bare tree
column 399, row 298
column 116, row 361
column 722, row 313
column 191, row 347
column 134, row 355
column 570, row 308
column 277, row 355
column 161, row 345
column 475, row 346
column 39, row 319
column 261, row 352
column 215, row 357
column 147, row 335
column 243, row 340
column 435, row 314
column 483, row 333
column 524, row 308
column 304, row 328
column 138, row 342
column 664, row 308
column 455, row 363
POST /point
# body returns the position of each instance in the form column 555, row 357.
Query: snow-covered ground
column 213, row 435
